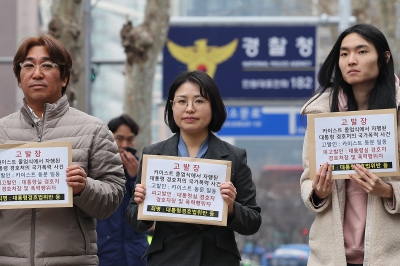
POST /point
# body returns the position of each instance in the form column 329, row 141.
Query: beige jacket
column 63, row 236
column 382, row 232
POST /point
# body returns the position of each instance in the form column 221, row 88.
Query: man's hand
column 130, row 163
column 76, row 178
column 140, row 193
column 228, row 192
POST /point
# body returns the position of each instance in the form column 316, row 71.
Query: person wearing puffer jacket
column 357, row 219
column 58, row 236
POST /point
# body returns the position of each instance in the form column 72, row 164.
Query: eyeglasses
column 182, row 104
column 44, row 67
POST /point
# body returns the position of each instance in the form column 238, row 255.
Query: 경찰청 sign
column 244, row 61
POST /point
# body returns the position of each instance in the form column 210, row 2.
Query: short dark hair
column 208, row 90
column 57, row 52
column 383, row 94
column 124, row 119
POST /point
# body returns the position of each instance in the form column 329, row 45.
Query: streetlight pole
column 344, row 14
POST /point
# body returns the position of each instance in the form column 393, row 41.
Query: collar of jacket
column 216, row 148
column 50, row 111
column 321, row 103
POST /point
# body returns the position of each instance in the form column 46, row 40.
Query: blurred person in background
column 58, row 236
column 194, row 110
column 119, row 244
column 358, row 74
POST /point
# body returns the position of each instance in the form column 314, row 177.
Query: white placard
column 34, row 175
column 368, row 138
column 184, row 189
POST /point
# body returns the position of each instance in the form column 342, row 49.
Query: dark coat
column 118, row 243
column 194, row 244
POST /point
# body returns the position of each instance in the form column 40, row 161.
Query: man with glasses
column 59, row 236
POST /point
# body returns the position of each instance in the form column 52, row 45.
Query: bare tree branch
column 143, row 45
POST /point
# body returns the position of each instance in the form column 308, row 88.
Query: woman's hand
column 228, row 192
column 370, row 183
column 322, row 183
column 140, row 193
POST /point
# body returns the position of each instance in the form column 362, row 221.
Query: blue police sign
column 245, row 62
column 263, row 121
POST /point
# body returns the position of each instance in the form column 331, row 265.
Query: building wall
column 8, row 29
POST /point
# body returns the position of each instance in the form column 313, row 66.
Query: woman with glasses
column 193, row 111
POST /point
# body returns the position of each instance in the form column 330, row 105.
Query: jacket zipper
column 33, row 225
column 40, row 133
column 39, row 129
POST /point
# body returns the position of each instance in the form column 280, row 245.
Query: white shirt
column 35, row 118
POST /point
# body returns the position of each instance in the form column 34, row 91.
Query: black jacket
column 195, row 244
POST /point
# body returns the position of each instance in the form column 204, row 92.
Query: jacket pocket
column 228, row 244
column 83, row 222
column 156, row 245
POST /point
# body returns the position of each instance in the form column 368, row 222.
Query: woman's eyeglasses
column 182, row 104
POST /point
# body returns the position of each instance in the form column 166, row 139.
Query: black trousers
column 350, row 264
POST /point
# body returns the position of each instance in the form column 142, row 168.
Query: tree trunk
column 388, row 24
column 142, row 46
column 67, row 24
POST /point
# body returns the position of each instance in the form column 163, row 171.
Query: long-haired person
column 193, row 111
column 357, row 219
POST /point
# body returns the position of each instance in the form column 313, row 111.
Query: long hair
column 383, row 95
